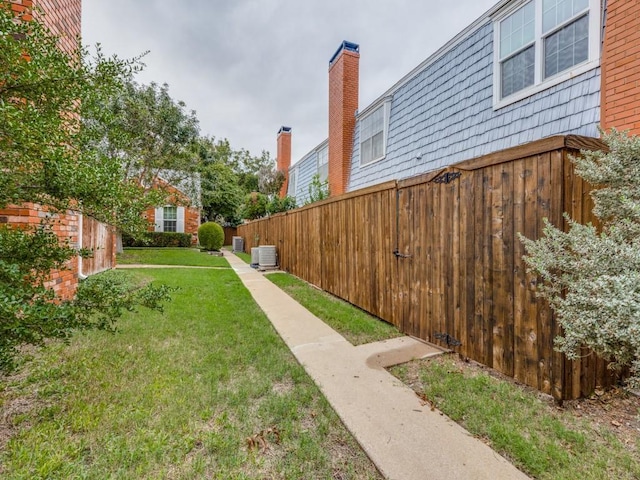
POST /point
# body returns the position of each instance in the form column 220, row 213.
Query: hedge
column 211, row 236
column 158, row 239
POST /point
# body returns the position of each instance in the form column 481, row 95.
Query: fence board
column 99, row 238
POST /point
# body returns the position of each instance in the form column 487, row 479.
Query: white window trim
column 323, row 146
column 386, row 104
column 159, row 219
column 539, row 83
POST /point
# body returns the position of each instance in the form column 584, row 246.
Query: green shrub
column 211, row 236
column 158, row 239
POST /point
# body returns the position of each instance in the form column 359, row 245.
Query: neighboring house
column 183, row 210
column 523, row 71
column 63, row 18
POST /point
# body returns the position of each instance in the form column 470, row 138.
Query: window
column 373, row 134
column 517, row 50
column 323, row 163
column 543, row 43
column 568, row 45
column 293, row 178
column 170, row 219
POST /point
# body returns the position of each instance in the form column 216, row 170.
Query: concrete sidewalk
column 404, row 439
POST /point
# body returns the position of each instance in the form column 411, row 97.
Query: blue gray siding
column 444, row 114
column 304, row 169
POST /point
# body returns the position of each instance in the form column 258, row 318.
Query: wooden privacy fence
column 229, row 233
column 439, row 257
column 100, row 239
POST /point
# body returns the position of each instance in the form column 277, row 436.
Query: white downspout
column 81, row 276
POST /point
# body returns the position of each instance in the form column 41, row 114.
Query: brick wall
column 343, row 104
column 284, row 157
column 620, row 91
column 62, row 17
column 65, row 281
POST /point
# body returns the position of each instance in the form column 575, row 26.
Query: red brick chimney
column 284, row 157
column 620, row 89
column 343, row 105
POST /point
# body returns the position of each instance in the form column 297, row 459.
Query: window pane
column 323, row 172
column 323, row 156
column 376, row 147
column 170, row 213
column 567, row 47
column 365, row 154
column 517, row 30
column 372, row 136
column 518, row 72
column 170, row 225
column 555, row 12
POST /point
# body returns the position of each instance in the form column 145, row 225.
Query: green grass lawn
column 170, row 256
column 245, row 257
column 357, row 326
column 541, row 439
column 205, row 390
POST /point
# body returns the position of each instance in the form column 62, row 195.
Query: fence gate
column 428, row 256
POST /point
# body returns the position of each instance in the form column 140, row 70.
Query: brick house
column 183, row 209
column 523, row 71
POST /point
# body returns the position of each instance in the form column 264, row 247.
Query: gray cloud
column 249, row 66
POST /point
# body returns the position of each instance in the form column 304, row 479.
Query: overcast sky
column 249, row 66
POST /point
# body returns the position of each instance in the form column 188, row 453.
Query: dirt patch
column 282, row 388
column 616, row 410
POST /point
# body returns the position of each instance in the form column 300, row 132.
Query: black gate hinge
column 397, row 253
column 448, row 339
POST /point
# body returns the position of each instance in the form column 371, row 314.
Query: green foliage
column 175, row 397
column 46, row 155
column 150, row 132
column 158, row 239
column 277, row 204
column 29, row 309
column 542, row 440
column 356, row 325
column 229, row 175
column 221, row 192
column 317, row 190
column 211, row 236
column 255, row 206
column 52, row 118
column 170, row 256
column 591, row 277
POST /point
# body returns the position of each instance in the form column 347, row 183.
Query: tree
column 148, row 131
column 255, row 206
column 591, row 276
column 222, row 195
column 317, row 190
column 46, row 158
column 150, row 134
column 229, row 176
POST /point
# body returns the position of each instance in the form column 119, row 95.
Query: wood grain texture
column 446, row 258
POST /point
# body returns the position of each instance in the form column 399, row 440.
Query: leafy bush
column 591, row 277
column 255, row 206
column 281, row 204
column 158, row 239
column 31, row 312
column 211, row 236
column 318, row 190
